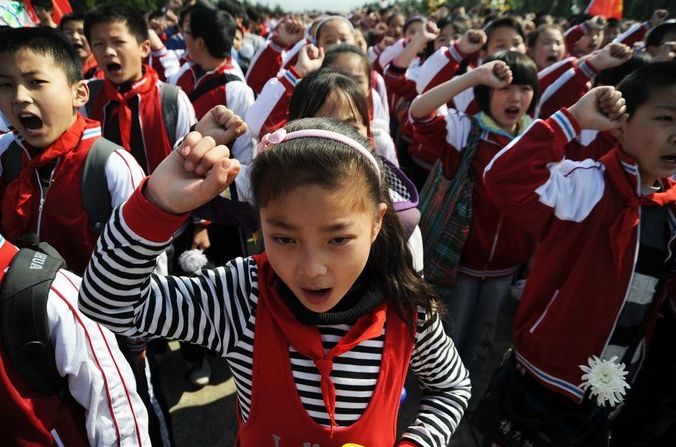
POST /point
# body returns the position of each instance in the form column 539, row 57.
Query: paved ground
column 206, row 417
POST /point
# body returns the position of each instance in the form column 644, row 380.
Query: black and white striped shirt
column 216, row 308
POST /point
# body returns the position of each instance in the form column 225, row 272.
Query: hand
column 472, row 41
column 221, row 124
column 665, row 52
column 290, row 31
column 172, row 20
column 494, row 74
column 191, row 175
column 385, row 42
column 659, row 16
column 612, row 55
column 200, row 238
column 310, row 58
column 601, row 108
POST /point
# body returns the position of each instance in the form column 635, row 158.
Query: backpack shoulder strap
column 25, row 327
column 95, row 86
column 11, row 162
column 169, row 100
column 211, row 84
column 95, row 195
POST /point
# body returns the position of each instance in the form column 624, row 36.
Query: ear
column 618, row 133
column 378, row 221
column 80, row 91
column 145, row 48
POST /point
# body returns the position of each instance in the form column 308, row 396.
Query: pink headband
column 281, row 135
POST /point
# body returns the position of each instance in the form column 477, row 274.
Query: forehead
column 659, row 98
column 335, row 26
column 73, row 25
column 338, row 105
column 350, row 63
column 550, row 34
column 503, row 33
column 113, row 28
column 27, row 61
column 328, row 204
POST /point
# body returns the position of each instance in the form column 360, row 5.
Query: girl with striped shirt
column 319, row 330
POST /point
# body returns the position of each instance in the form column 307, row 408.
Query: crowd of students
column 328, row 202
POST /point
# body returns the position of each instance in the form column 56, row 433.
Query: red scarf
column 307, row 341
column 150, row 110
column 622, row 229
column 19, row 196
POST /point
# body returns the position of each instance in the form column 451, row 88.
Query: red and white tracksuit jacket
column 577, row 287
column 496, row 245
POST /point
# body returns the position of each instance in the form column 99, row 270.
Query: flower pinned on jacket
column 605, row 380
column 193, row 260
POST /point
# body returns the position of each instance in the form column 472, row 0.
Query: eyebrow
column 338, row 226
column 666, row 106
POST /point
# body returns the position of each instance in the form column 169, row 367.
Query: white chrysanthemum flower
column 605, row 380
column 191, row 261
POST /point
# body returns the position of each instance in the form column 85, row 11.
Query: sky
column 301, row 5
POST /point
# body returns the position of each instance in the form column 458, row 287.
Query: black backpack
column 94, row 189
column 23, row 318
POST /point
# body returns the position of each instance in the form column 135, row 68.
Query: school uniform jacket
column 578, row 286
column 220, row 86
column 269, row 59
column 217, row 308
column 98, row 376
column 496, row 245
column 58, row 216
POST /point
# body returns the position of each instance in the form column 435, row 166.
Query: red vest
column 27, row 417
column 277, row 417
column 65, row 224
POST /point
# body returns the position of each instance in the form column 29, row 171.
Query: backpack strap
column 212, row 84
column 169, row 101
column 25, row 327
column 95, row 195
column 95, row 86
column 11, row 162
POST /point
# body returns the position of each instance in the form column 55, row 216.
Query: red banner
column 61, row 8
column 605, row 8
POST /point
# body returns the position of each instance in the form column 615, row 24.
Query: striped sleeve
column 444, row 381
column 120, row 291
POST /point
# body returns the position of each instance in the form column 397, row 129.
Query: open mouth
column 512, row 112
column 113, row 67
column 671, row 159
column 316, row 296
column 552, row 58
column 30, row 122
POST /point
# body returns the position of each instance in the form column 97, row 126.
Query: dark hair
column 331, row 164
column 392, row 16
column 312, row 91
column 234, row 8
column 43, row 41
column 216, row 27
column 504, row 22
column 411, row 20
column 47, row 5
column 613, row 76
column 107, row 13
column 638, row 87
column 533, row 36
column 523, row 70
column 345, row 48
column 655, row 36
column 72, row 17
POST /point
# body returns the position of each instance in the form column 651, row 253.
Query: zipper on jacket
column 495, row 244
column 542, row 316
column 43, row 196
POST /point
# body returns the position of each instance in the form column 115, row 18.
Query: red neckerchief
column 17, row 200
column 150, row 109
column 622, row 229
column 307, row 340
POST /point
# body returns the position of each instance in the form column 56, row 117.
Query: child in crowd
column 604, row 230
column 72, row 26
column 44, row 159
column 506, row 89
column 334, row 294
column 136, row 109
column 546, row 46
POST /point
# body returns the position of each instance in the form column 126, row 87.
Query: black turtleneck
column 362, row 298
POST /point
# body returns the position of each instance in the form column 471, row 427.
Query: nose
column 21, row 95
column 312, row 265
